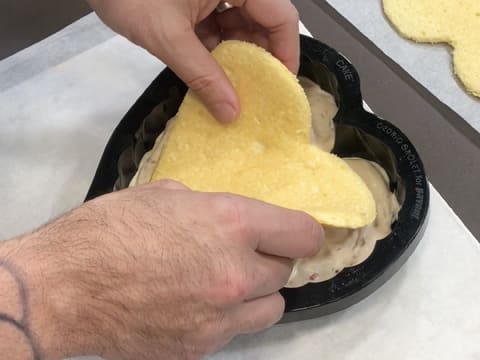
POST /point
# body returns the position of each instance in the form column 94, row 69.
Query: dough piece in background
column 443, row 21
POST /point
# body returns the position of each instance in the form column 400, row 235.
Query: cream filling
column 148, row 163
column 349, row 247
column 343, row 247
column 324, row 109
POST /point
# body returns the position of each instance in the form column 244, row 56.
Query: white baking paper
column 54, row 125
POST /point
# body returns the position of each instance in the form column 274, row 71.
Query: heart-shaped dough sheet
column 266, row 153
column 443, row 21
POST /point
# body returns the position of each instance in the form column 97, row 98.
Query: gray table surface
column 24, row 22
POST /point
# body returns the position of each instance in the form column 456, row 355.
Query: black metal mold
column 358, row 133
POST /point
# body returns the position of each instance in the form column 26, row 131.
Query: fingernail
column 225, row 112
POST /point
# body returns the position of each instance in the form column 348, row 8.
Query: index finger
column 278, row 231
column 280, row 19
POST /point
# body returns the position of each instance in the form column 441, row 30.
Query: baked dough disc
column 443, row 21
column 266, row 153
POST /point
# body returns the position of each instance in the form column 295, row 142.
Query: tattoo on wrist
column 22, row 325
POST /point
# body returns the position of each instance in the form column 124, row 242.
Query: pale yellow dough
column 343, row 247
column 266, row 153
column 447, row 21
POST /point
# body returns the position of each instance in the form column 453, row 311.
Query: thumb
column 184, row 53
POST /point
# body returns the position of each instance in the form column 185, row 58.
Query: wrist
column 45, row 301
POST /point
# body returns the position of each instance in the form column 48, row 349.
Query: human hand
column 159, row 271
column 180, row 33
